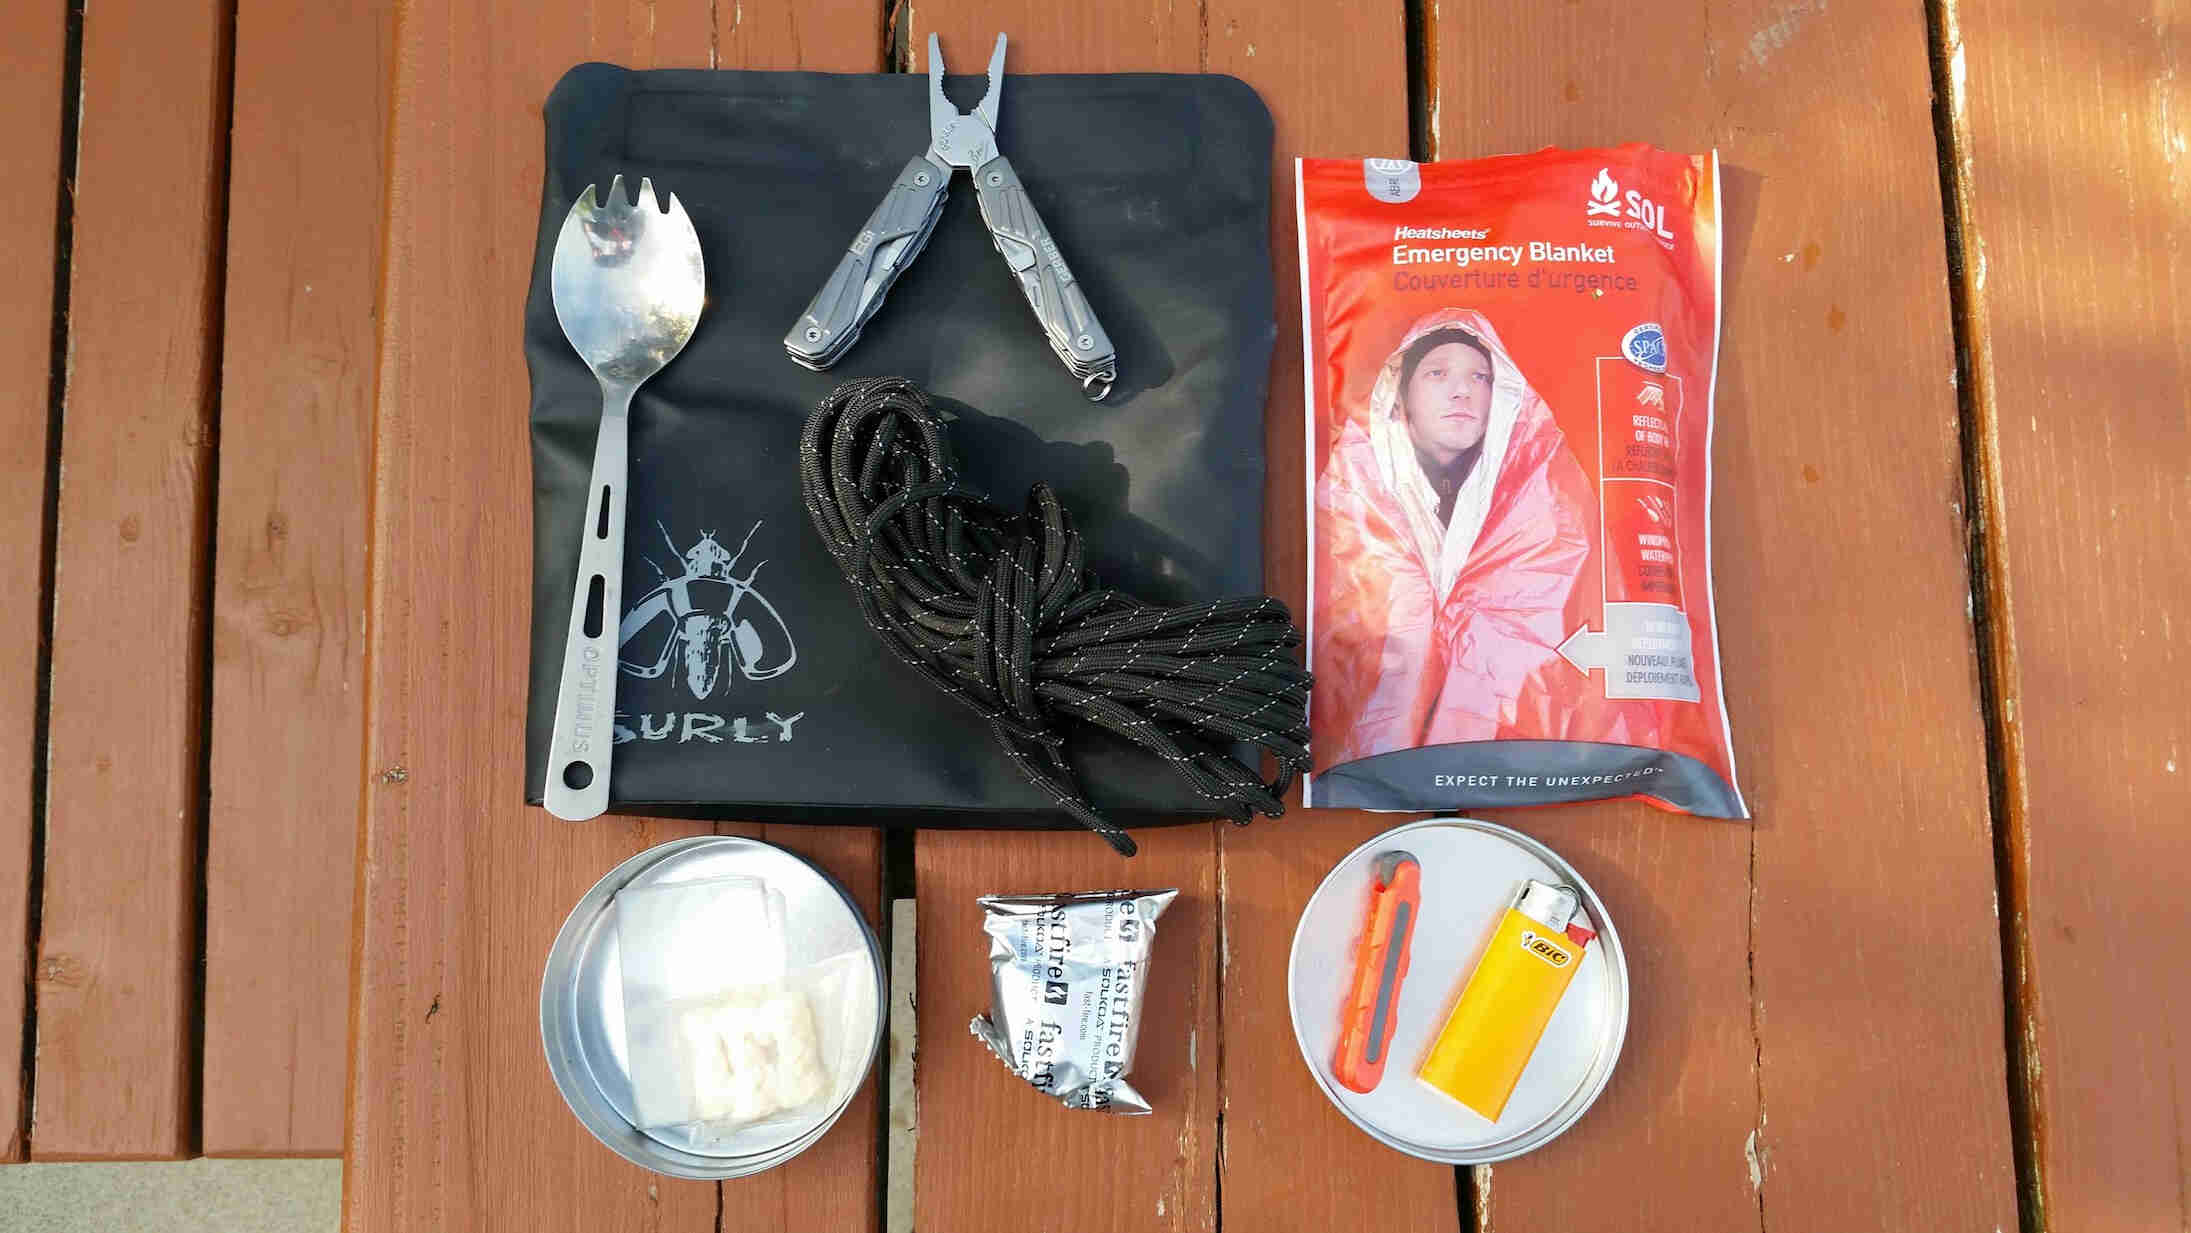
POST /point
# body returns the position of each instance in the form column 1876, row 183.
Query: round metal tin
column 582, row 1011
column 1470, row 871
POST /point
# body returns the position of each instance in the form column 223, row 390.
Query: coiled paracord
column 998, row 610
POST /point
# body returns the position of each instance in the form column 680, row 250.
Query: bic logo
column 1546, row 949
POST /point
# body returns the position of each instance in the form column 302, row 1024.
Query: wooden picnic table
column 267, row 509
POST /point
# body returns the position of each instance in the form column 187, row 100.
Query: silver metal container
column 1470, row 871
column 582, row 1011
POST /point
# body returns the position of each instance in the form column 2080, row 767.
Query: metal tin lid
column 1471, row 873
column 582, row 1008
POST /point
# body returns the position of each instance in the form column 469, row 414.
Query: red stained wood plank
column 1157, row 1172
column 289, row 570
column 117, row 983
column 1057, row 38
column 453, row 1121
column 1291, row 1160
column 983, row 1130
column 835, row 36
column 1786, row 1026
column 32, row 40
column 2069, row 144
column 1284, row 1157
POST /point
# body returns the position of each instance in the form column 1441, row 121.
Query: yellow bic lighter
column 1486, row 1043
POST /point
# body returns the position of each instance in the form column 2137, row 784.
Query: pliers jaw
column 899, row 228
column 962, row 139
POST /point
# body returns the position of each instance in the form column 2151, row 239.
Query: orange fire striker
column 1380, row 965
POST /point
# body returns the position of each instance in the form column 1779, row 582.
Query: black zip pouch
column 748, row 687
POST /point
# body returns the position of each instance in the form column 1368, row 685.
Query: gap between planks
column 1989, row 612
column 224, row 111
column 1420, row 19
column 72, row 81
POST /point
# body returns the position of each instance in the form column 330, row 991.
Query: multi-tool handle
column 1044, row 278
column 887, row 243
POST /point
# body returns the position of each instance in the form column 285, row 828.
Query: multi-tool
column 899, row 228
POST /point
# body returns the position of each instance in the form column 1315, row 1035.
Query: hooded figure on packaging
column 1453, row 525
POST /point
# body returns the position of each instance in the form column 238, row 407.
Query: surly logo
column 705, row 626
column 1609, row 207
column 1546, row 949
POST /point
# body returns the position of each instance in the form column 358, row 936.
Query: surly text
column 701, row 726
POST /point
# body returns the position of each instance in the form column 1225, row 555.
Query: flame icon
column 1604, row 195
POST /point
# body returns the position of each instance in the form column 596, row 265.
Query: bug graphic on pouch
column 703, row 617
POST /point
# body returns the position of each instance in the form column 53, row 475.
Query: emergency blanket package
column 1510, row 366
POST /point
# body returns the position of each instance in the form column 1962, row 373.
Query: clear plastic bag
column 724, row 1033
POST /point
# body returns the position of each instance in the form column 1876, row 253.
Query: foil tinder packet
column 1067, row 974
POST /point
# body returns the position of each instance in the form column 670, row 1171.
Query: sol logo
column 1631, row 209
column 1546, row 949
column 1604, row 196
